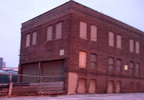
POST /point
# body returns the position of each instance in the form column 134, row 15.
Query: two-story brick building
column 86, row 50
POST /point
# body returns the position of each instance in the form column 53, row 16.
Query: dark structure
column 1, row 63
column 88, row 51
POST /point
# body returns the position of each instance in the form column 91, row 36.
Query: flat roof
column 74, row 7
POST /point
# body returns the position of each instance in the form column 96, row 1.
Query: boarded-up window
column 27, row 40
column 49, row 33
column 119, row 41
column 131, row 86
column 92, row 86
column 137, row 88
column 110, row 87
column 111, row 39
column 93, row 60
column 34, row 38
column 81, row 86
column 131, row 45
column 58, row 30
column 61, row 52
column 83, row 30
column 111, row 64
column 82, row 59
column 93, row 33
column 131, row 67
column 137, row 47
column 119, row 65
column 137, row 68
column 118, row 87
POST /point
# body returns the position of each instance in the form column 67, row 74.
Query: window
column 83, row 30
column 27, row 40
column 125, row 67
column 119, row 65
column 111, row 64
column 137, row 69
column 93, row 60
column 34, row 38
column 131, row 67
column 137, row 47
column 131, row 45
column 93, row 33
column 110, row 88
column 81, row 86
column 58, row 30
column 82, row 59
column 111, row 39
column 118, row 87
column 92, row 86
column 49, row 33
column 119, row 41
column 131, row 86
column 61, row 52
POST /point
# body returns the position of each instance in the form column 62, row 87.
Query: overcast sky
column 15, row 12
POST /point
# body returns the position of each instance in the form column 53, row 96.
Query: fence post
column 10, row 85
column 10, row 89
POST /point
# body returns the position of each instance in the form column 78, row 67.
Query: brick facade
column 70, row 15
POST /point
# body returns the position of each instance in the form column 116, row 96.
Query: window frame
column 137, row 68
column 34, row 38
column 119, row 41
column 28, row 40
column 137, row 47
column 131, row 67
column 119, row 66
column 83, row 30
column 111, row 39
column 82, row 59
column 58, row 31
column 93, row 33
column 93, row 61
column 131, row 45
column 111, row 65
column 49, row 33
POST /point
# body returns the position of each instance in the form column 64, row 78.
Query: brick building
column 88, row 51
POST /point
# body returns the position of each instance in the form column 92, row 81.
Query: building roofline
column 84, row 9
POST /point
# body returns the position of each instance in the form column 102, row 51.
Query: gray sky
column 15, row 12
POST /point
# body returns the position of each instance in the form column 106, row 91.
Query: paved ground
column 132, row 96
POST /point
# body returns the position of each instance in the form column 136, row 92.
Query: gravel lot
column 126, row 96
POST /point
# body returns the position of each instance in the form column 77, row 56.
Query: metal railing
column 44, row 84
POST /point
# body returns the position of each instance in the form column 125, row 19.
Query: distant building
column 93, row 52
column 12, row 70
column 4, row 64
column 1, row 63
